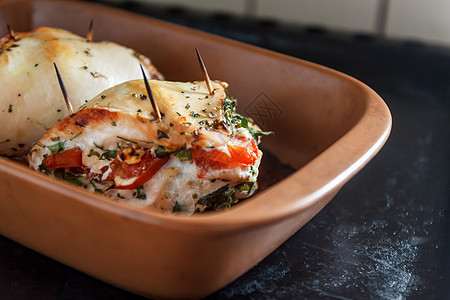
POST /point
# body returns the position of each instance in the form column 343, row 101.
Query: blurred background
column 425, row 21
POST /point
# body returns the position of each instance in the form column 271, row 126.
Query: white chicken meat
column 31, row 101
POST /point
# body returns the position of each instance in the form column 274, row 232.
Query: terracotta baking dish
column 328, row 126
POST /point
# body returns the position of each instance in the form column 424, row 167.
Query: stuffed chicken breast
column 30, row 97
column 200, row 155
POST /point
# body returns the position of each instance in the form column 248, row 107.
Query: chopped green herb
column 98, row 146
column 176, row 207
column 113, row 123
column 219, row 199
column 55, row 148
column 184, row 155
column 63, row 175
column 91, row 182
column 42, row 169
column 194, row 114
column 79, row 124
column 87, row 52
column 127, row 140
column 93, row 152
column 235, row 120
column 162, row 135
column 245, row 187
column 10, row 108
column 76, row 135
column 140, row 193
column 109, row 155
column 161, row 151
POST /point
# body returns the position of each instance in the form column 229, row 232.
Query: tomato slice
column 70, row 158
column 141, row 172
column 132, row 175
column 241, row 152
column 213, row 159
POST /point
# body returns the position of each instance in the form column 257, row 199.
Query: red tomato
column 143, row 171
column 70, row 158
column 241, row 152
column 213, row 159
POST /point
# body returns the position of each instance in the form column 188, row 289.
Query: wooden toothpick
column 11, row 32
column 150, row 95
column 63, row 90
column 90, row 32
column 205, row 73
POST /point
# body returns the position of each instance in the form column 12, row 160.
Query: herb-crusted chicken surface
column 30, row 97
column 201, row 155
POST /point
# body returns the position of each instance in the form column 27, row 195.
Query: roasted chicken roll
column 30, row 97
column 201, row 155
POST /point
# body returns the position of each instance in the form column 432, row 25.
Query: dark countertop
column 386, row 235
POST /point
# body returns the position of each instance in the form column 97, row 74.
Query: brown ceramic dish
column 328, row 126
